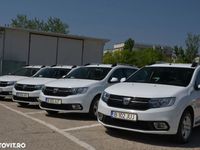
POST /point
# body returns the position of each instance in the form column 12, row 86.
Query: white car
column 82, row 88
column 27, row 91
column 7, row 81
column 157, row 99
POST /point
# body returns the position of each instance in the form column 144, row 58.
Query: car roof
column 34, row 66
column 172, row 65
column 110, row 65
column 64, row 66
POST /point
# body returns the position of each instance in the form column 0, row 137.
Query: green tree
column 138, row 58
column 129, row 44
column 52, row 24
column 180, row 54
column 192, row 45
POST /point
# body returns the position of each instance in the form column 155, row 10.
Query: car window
column 128, row 72
column 25, row 72
column 52, row 72
column 118, row 73
column 90, row 73
column 163, row 75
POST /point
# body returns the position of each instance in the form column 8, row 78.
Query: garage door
column 69, row 51
column 42, row 50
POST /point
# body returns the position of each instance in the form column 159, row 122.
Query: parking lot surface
column 34, row 127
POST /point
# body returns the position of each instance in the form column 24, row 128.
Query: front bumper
column 6, row 92
column 30, row 98
column 68, row 103
column 145, row 119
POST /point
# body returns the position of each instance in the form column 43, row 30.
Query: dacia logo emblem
column 126, row 100
column 55, row 90
column 24, row 86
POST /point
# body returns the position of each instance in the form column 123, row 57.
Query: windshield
column 28, row 72
column 91, row 73
column 163, row 75
column 52, row 73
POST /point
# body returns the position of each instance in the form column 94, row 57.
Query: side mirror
column 197, row 86
column 114, row 80
column 123, row 79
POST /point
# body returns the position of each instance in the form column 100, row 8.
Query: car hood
column 71, row 83
column 7, row 78
column 35, row 81
column 144, row 90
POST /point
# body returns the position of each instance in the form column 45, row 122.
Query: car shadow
column 72, row 116
column 157, row 140
column 6, row 100
column 29, row 106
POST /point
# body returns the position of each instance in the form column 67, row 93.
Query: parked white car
column 157, row 99
column 82, row 88
column 27, row 91
column 7, row 81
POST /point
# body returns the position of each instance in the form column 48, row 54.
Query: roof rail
column 87, row 64
column 53, row 65
column 113, row 65
column 74, row 66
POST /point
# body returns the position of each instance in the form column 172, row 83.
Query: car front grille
column 137, row 125
column 52, row 91
column 58, row 106
column 3, row 84
column 135, row 103
column 25, row 99
column 25, row 87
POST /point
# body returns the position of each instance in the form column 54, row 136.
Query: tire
column 23, row 104
column 94, row 107
column 185, row 127
column 51, row 112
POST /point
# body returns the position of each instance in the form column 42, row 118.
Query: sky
column 163, row 22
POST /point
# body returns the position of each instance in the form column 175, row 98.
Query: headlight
column 39, row 87
column 162, row 102
column 105, row 96
column 11, row 82
column 81, row 90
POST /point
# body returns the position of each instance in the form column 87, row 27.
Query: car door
column 197, row 99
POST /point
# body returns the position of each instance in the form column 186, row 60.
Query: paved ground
column 75, row 132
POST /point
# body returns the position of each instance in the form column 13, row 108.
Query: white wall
column 93, row 51
column 16, row 45
column 42, row 50
column 69, row 51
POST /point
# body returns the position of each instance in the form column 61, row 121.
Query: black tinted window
column 163, row 75
column 91, row 73
column 52, row 72
column 25, row 72
column 128, row 72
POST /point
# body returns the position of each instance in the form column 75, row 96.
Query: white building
column 29, row 47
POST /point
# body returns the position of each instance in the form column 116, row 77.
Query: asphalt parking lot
column 34, row 127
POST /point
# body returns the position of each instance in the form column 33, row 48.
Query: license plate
column 54, row 101
column 124, row 115
column 22, row 94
